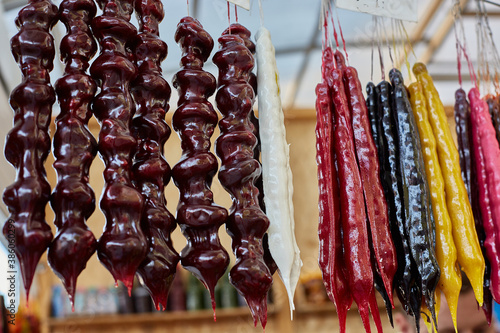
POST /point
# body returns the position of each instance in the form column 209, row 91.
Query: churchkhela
column 382, row 246
column 331, row 258
column 246, row 223
column 276, row 172
column 470, row 257
column 485, row 146
column 150, row 171
column 123, row 245
column 388, row 153
column 28, row 142
column 416, row 200
column 195, row 119
column 450, row 279
column 73, row 200
column 468, row 167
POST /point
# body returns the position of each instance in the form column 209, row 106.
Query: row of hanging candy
column 432, row 224
column 131, row 108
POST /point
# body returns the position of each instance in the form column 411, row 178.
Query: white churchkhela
column 276, row 172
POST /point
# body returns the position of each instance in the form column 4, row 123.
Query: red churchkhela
column 244, row 33
column 123, row 245
column 195, row 119
column 73, row 200
column 28, row 143
column 151, row 171
column 247, row 223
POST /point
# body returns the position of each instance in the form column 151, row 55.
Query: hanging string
column 483, row 59
column 405, row 50
column 479, row 44
column 457, row 43
column 333, row 25
column 236, row 13
column 387, row 42
column 342, row 36
column 229, row 16
column 187, row 2
column 393, row 28
column 261, row 12
column 373, row 47
column 462, row 45
column 382, row 68
column 492, row 49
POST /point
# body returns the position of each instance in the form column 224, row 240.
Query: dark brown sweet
column 195, row 119
column 151, row 172
column 244, row 33
column 247, row 223
column 73, row 200
column 28, row 143
column 123, row 245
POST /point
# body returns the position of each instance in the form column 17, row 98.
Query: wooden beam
column 473, row 14
column 441, row 33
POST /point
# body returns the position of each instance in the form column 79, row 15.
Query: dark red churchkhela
column 331, row 253
column 28, row 143
column 122, row 247
column 244, row 33
column 195, row 119
column 247, row 223
column 151, row 172
column 73, row 200
column 352, row 205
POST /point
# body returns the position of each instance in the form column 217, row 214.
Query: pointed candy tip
column 72, row 301
column 160, row 303
column 376, row 313
column 364, row 313
column 212, row 297
column 128, row 282
column 342, row 315
column 258, row 308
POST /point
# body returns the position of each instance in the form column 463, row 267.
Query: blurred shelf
column 156, row 318
column 305, row 309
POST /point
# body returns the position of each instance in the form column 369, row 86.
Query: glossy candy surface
column 450, row 280
column 486, row 151
column 417, row 205
column 150, row 171
column 331, row 261
column 123, row 245
column 384, row 259
column 195, row 119
column 393, row 188
column 494, row 106
column 464, row 233
column 73, row 200
column 247, row 223
column 468, row 166
column 352, row 206
column 244, row 33
column 28, row 143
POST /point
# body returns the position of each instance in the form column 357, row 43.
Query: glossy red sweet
column 73, row 200
column 28, row 143
column 247, row 223
column 244, row 33
column 123, row 245
column 151, row 172
column 195, row 119
column 331, row 253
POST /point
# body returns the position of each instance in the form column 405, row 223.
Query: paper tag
column 398, row 9
column 245, row 4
